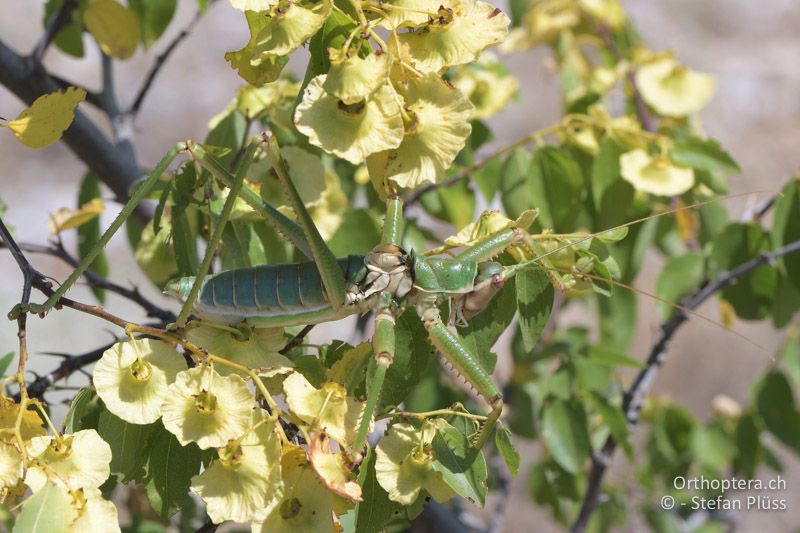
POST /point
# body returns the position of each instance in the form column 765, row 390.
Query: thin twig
column 635, row 394
column 297, row 340
column 68, row 366
column 95, row 280
column 647, row 121
column 159, row 62
column 58, row 20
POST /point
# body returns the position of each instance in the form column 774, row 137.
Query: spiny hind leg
column 461, row 361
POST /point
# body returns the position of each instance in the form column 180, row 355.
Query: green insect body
column 273, row 295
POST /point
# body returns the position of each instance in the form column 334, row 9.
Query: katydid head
column 389, row 269
column 179, row 287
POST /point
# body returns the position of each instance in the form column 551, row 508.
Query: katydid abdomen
column 272, row 295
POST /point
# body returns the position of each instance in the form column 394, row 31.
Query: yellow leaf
column 114, row 26
column 727, row 314
column 46, row 119
column 65, row 218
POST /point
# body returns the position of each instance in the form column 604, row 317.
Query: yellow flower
column 406, row 13
column 403, row 466
column 74, row 461
column 31, row 426
column 132, row 378
column 303, row 505
column 10, row 466
column 259, row 351
column 328, row 408
column 610, row 12
column 289, row 25
column 244, row 477
column 207, row 408
column 352, row 79
column 353, row 131
column 254, row 102
column 459, row 33
column 655, row 174
column 487, row 84
column 256, row 67
column 94, row 513
column 437, row 129
column 541, row 24
column 672, row 89
column 331, row 468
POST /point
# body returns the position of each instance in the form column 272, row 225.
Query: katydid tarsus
column 387, row 280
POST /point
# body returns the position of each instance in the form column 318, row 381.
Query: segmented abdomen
column 271, row 290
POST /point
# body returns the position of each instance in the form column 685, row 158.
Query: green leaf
column 774, row 404
column 154, row 17
column 463, row 468
column 502, row 439
column 127, row 442
column 786, row 304
column 45, row 512
column 681, row 275
column 514, row 192
column 170, row 468
column 786, row 228
column 229, row 133
column 535, row 296
column 83, row 402
column 412, row 355
column 564, row 428
column 748, row 445
column 5, row 361
column 358, row 233
column 89, row 232
column 458, row 202
column 703, row 154
column 557, row 181
column 605, row 355
column 376, row 508
column 617, row 319
column 486, row 178
column 483, row 330
column 338, row 26
column 752, row 294
column 614, row 419
column 70, row 39
column 713, row 448
column 612, row 195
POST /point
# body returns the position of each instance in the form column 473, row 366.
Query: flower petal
column 132, row 378
column 207, row 408
column 259, row 351
column 673, row 90
column 655, row 175
column 463, row 29
column 75, row 461
column 438, row 130
column 244, row 477
column 349, row 131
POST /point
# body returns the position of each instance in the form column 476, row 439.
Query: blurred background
column 752, row 47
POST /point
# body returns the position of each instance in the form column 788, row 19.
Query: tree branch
column 69, row 365
column 115, row 168
column 635, row 394
column 95, row 280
